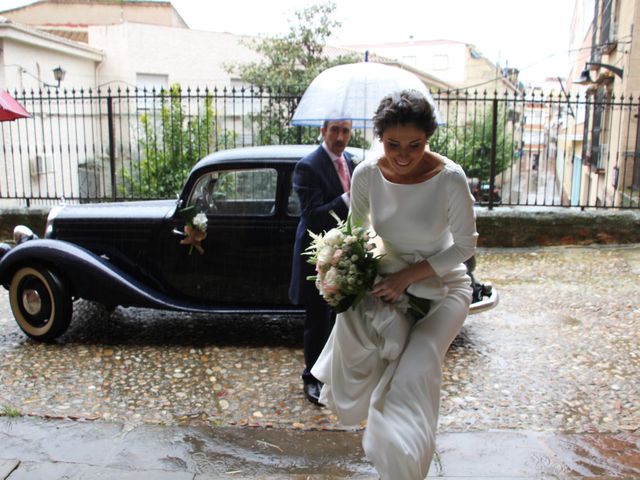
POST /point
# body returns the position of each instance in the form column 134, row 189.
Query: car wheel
column 40, row 302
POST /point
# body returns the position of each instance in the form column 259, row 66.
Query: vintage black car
column 130, row 253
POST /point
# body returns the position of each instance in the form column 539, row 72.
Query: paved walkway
column 544, row 386
column 65, row 449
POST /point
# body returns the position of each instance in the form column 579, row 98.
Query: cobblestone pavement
column 559, row 353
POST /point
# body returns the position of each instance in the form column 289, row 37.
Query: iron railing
column 528, row 150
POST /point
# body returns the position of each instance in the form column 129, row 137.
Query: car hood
column 149, row 210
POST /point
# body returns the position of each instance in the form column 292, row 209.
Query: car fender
column 90, row 276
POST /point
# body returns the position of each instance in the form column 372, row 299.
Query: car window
column 236, row 192
column 293, row 203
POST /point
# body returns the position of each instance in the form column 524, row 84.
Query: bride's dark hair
column 402, row 108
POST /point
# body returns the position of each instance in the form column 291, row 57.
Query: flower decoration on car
column 195, row 229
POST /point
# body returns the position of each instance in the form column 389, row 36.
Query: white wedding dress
column 379, row 364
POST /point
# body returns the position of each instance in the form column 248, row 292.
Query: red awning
column 10, row 109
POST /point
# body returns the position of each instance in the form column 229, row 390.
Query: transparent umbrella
column 10, row 109
column 353, row 92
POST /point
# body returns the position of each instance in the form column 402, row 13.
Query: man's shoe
column 312, row 391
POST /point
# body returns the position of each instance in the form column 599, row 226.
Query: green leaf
column 188, row 213
column 345, row 304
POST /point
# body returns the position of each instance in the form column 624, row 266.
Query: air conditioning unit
column 41, row 163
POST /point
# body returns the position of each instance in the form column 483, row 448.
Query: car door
column 246, row 257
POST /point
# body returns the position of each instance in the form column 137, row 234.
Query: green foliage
column 9, row 411
column 468, row 143
column 358, row 140
column 289, row 64
column 292, row 61
column 171, row 143
column 248, row 184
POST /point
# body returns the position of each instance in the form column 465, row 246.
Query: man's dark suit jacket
column 317, row 183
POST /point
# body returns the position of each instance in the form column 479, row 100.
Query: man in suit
column 321, row 180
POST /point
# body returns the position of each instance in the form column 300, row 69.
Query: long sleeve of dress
column 462, row 224
column 360, row 207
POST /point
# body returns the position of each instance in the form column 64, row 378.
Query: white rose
column 351, row 239
column 200, row 221
column 334, row 237
column 325, row 255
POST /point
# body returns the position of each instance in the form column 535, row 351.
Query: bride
column 382, row 362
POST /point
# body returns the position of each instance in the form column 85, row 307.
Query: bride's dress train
column 378, row 365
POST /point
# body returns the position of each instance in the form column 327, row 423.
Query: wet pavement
column 545, row 384
column 72, row 449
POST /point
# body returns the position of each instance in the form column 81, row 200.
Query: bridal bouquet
column 347, row 267
column 345, row 263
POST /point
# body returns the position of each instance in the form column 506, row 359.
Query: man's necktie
column 343, row 173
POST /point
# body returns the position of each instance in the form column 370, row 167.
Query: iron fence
column 126, row 144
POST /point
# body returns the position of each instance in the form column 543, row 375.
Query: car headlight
column 22, row 233
column 53, row 213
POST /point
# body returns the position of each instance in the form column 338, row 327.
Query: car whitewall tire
column 40, row 302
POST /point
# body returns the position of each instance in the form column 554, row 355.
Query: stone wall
column 522, row 227
column 502, row 227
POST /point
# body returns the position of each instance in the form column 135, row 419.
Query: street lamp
column 58, row 74
column 585, row 76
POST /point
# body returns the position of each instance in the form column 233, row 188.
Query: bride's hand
column 391, row 287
